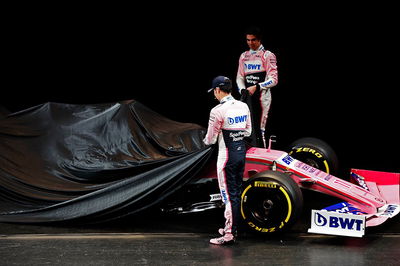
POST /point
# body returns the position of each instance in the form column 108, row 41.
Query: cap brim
column 210, row 90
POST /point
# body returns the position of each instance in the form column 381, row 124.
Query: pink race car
column 272, row 198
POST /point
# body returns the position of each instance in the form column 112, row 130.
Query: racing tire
column 271, row 202
column 316, row 153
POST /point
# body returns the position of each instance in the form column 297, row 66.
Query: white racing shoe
column 226, row 239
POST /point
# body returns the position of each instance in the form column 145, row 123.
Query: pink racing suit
column 229, row 123
column 258, row 67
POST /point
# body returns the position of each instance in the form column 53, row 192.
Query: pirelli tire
column 271, row 203
column 316, row 153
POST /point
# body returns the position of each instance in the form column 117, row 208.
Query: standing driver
column 257, row 73
column 229, row 123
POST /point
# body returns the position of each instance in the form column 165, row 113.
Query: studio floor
column 149, row 239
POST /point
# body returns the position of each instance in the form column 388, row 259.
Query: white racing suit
column 258, row 67
column 229, row 123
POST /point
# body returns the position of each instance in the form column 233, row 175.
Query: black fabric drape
column 62, row 162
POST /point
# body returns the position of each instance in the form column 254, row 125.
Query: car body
column 369, row 199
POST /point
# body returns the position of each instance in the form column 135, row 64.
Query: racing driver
column 229, row 123
column 257, row 73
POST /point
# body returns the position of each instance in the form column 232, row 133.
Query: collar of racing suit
column 261, row 47
column 226, row 98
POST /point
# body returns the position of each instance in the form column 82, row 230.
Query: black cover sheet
column 91, row 163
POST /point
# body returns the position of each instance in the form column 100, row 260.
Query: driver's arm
column 214, row 127
column 240, row 75
column 271, row 68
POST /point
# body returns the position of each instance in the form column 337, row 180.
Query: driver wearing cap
column 229, row 123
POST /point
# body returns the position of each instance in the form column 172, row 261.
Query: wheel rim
column 267, row 206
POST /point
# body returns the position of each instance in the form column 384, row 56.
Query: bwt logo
column 338, row 222
column 252, row 66
column 237, row 119
column 287, row 159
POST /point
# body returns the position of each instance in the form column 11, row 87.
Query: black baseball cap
column 222, row 82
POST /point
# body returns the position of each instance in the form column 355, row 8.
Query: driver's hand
column 252, row 89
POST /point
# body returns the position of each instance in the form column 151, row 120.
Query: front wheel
column 316, row 153
column 271, row 202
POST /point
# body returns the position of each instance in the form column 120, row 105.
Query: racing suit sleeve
column 214, row 128
column 247, row 130
column 240, row 74
column 271, row 68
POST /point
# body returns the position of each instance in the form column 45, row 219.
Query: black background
column 337, row 66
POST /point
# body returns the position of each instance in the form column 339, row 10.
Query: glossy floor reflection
column 193, row 249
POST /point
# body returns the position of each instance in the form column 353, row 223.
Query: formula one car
column 272, row 200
